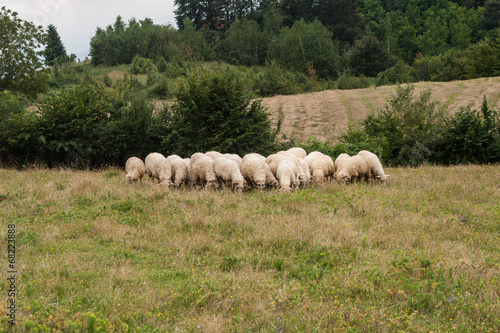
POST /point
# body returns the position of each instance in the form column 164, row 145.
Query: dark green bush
column 11, row 106
column 400, row 73
column 349, row 81
column 472, row 136
column 85, row 127
column 213, row 111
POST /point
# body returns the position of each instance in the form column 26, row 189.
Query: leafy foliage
column 213, row 112
column 407, row 128
column 304, row 45
column 120, row 43
column 21, row 63
column 472, row 136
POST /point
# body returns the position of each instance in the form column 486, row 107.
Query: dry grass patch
column 419, row 254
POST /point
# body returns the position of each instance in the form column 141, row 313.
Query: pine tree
column 55, row 50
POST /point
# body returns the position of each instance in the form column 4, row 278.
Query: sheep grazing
column 202, row 170
column 274, row 160
column 377, row 171
column 257, row 172
column 164, row 172
column 152, row 164
column 135, row 169
column 234, row 157
column 301, row 169
column 297, row 151
column 213, row 154
column 339, row 161
column 228, row 171
column 303, row 172
column 287, row 175
column 352, row 169
column 179, row 171
column 320, row 166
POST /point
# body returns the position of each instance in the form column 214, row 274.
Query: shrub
column 214, row 112
column 398, row 74
column 142, row 65
column 276, row 80
column 472, row 136
column 11, row 106
column 349, row 81
column 407, row 131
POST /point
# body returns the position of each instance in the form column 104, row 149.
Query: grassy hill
column 96, row 254
column 326, row 114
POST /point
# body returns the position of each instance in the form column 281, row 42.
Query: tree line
column 330, row 37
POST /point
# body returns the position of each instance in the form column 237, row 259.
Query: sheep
column 303, row 172
column 228, row 171
column 352, row 169
column 202, row 170
column 287, row 175
column 257, row 172
column 297, row 151
column 320, row 166
column 377, row 171
column 179, row 170
column 273, row 161
column 235, row 157
column 135, row 169
column 339, row 161
column 164, row 172
column 213, row 154
column 152, row 164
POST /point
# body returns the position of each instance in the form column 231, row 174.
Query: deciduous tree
column 21, row 57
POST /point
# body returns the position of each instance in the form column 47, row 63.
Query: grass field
column 96, row 254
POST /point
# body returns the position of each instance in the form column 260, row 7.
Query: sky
column 76, row 21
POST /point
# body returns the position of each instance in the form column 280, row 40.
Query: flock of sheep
column 285, row 170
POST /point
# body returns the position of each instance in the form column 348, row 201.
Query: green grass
column 420, row 254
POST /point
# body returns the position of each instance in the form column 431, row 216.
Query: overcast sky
column 77, row 20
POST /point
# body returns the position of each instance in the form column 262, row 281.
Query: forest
column 393, row 41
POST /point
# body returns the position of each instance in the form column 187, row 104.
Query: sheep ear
column 377, row 177
column 387, row 175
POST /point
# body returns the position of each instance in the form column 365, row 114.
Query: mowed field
column 326, row 114
column 96, row 254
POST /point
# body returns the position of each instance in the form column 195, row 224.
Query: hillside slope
column 326, row 114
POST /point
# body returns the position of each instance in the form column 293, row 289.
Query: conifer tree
column 55, row 50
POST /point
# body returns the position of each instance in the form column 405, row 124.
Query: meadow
column 95, row 254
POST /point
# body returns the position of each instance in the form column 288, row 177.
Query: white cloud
column 77, row 20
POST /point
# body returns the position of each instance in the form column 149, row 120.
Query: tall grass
column 420, row 254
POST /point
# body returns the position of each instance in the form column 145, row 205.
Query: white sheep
column 235, row 157
column 377, row 171
column 179, row 170
column 352, row 169
column 152, row 165
column 135, row 169
column 213, row 154
column 320, row 166
column 303, row 172
column 287, row 175
column 297, row 151
column 228, row 171
column 339, row 161
column 274, row 160
column 202, row 170
column 164, row 172
column 257, row 172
